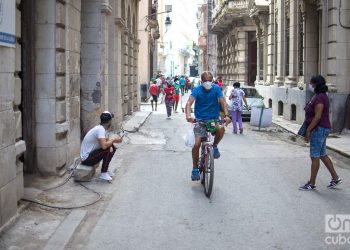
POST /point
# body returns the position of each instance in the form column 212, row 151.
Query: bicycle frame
column 207, row 168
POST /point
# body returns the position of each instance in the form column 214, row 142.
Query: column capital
column 120, row 22
column 126, row 31
column 106, row 8
column 137, row 42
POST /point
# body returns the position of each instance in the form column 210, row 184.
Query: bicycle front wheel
column 209, row 172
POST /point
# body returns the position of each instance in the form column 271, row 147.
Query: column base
column 291, row 82
column 278, row 81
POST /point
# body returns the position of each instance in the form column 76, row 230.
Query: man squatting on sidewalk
column 96, row 147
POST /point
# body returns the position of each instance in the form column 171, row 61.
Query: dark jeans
column 99, row 154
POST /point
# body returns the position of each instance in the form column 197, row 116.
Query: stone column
column 279, row 78
column 126, row 71
column 291, row 80
column 73, row 47
column 242, row 54
column 270, row 45
column 137, row 97
column 120, row 26
column 131, row 73
column 51, row 117
column 260, row 49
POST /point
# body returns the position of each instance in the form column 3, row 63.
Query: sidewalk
column 56, row 226
column 339, row 143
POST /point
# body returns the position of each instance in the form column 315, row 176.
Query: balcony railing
column 230, row 5
column 227, row 11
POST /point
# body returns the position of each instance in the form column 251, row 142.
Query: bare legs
column 315, row 165
column 195, row 150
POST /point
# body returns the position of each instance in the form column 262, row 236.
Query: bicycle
column 206, row 159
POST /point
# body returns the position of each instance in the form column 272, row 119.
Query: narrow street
column 255, row 204
column 153, row 204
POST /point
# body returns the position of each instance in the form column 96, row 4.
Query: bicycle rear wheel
column 208, row 172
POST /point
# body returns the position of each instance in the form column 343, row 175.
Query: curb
column 328, row 147
column 132, row 128
column 8, row 225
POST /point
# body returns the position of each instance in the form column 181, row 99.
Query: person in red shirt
column 219, row 82
column 169, row 92
column 153, row 91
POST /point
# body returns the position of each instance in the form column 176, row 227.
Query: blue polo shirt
column 207, row 104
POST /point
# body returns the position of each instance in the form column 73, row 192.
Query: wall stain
column 96, row 94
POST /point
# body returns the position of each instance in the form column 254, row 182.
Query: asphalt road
column 255, row 202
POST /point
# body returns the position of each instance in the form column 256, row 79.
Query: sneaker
column 195, row 174
column 216, row 152
column 105, row 176
column 241, row 130
column 111, row 174
column 307, row 187
column 334, row 183
column 234, row 132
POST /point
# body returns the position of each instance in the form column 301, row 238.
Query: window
column 293, row 112
column 261, row 59
column 270, row 103
column 280, row 108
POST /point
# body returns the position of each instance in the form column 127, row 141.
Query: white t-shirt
column 90, row 141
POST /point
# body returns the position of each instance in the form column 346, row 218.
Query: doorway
column 27, row 75
column 252, row 57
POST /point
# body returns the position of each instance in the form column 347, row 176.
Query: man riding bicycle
column 208, row 97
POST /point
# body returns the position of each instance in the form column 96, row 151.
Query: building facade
column 70, row 61
column 236, row 42
column 148, row 33
column 206, row 39
column 279, row 45
column 296, row 40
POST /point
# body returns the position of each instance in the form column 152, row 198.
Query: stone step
column 84, row 173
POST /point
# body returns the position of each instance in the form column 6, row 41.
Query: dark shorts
column 154, row 98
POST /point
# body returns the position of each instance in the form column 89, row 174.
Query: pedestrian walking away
column 97, row 147
column 169, row 92
column 177, row 94
column 182, row 84
column 208, row 98
column 237, row 98
column 153, row 90
column 318, row 126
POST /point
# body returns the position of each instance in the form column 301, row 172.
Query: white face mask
column 311, row 88
column 207, row 85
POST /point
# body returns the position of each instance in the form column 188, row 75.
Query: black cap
column 106, row 116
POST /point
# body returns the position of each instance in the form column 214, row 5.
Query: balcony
column 227, row 11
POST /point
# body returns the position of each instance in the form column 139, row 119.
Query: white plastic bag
column 189, row 138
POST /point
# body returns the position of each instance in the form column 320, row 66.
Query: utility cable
column 72, row 207
column 122, row 133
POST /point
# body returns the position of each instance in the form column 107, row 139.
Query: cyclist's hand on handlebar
column 227, row 120
column 190, row 119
